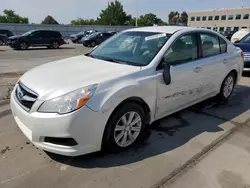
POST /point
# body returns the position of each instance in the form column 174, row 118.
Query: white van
column 239, row 35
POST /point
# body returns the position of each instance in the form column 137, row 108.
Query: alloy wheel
column 228, row 86
column 127, row 129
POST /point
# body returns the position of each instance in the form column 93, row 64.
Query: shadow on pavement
column 169, row 133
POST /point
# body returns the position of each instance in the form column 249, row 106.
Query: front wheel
column 124, row 128
column 23, row 46
column 227, row 87
column 93, row 44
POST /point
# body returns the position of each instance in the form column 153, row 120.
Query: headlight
column 68, row 102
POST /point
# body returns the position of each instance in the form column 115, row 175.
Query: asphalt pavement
column 171, row 146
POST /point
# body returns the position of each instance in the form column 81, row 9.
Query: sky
column 66, row 10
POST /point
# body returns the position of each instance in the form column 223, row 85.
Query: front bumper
column 85, row 126
column 12, row 44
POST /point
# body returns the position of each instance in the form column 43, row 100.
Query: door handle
column 224, row 61
column 197, row 69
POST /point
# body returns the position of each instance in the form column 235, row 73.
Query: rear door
column 46, row 37
column 214, row 62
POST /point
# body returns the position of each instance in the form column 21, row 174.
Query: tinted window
column 230, row 17
column 204, row 18
column 223, row 45
column 246, row 16
column 198, row 18
column 246, row 39
column 210, row 45
column 183, row 50
column 35, row 34
column 238, row 17
column 107, row 34
column 210, row 18
column 216, row 17
column 223, row 17
column 192, row 18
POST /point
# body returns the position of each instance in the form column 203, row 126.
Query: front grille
column 25, row 96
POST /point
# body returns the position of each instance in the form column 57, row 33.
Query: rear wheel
column 227, row 87
column 55, row 45
column 23, row 46
column 124, row 128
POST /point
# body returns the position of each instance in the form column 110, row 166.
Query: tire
column 118, row 136
column 23, row 46
column 1, row 43
column 78, row 41
column 227, row 87
column 55, row 45
column 93, row 44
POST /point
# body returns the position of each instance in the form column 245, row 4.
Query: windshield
column 27, row 33
column 246, row 39
column 80, row 33
column 134, row 48
column 91, row 35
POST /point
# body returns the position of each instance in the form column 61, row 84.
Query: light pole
column 136, row 19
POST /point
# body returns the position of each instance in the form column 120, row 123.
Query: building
column 220, row 19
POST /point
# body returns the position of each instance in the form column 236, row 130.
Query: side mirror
column 166, row 72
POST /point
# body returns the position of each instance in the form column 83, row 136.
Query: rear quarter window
column 223, row 45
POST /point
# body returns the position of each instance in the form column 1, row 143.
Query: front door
column 186, row 74
column 35, row 38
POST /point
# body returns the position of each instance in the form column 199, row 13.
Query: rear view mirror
column 166, row 72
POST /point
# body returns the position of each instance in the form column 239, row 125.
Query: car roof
column 45, row 30
column 166, row 29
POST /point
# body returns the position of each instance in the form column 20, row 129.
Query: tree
column 9, row 16
column 150, row 20
column 171, row 16
column 49, row 20
column 183, row 18
column 81, row 21
column 113, row 15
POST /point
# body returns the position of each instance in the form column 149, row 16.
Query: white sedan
column 105, row 99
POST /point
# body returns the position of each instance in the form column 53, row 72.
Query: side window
column 223, row 45
column 35, row 34
column 210, row 45
column 183, row 50
column 45, row 34
column 246, row 39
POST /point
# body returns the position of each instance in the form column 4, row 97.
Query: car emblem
column 20, row 94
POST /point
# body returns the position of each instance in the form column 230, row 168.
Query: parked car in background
column 76, row 38
column 6, row 32
column 34, row 38
column 228, row 34
column 107, row 98
column 113, row 32
column 244, row 45
column 95, row 38
column 3, row 39
column 237, row 36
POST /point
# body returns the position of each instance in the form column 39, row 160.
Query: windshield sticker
column 155, row 36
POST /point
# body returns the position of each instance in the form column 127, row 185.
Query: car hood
column 243, row 47
column 57, row 78
column 15, row 37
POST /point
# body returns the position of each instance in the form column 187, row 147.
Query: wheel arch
column 136, row 100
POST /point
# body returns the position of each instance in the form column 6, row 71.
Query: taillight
column 242, row 54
